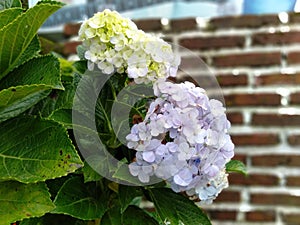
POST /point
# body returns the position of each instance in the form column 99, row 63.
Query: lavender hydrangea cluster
column 115, row 44
column 184, row 137
column 183, row 140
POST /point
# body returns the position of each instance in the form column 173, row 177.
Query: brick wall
column 256, row 60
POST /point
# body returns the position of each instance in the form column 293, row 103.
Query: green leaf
column 6, row 4
column 41, row 150
column 99, row 163
column 9, row 15
column 132, row 216
column 80, row 52
column 131, row 101
column 31, row 51
column 58, row 99
column 80, row 200
column 27, row 85
column 65, row 98
column 63, row 116
column 136, row 216
column 66, row 67
column 177, row 209
column 236, row 166
column 80, row 66
column 53, row 219
column 103, row 109
column 112, row 217
column 17, row 35
column 19, row 201
column 54, row 185
column 40, row 70
column 89, row 173
column 16, row 100
column 127, row 194
column 16, row 3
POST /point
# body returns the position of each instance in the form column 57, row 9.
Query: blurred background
column 78, row 10
column 252, row 48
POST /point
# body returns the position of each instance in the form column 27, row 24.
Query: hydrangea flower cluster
column 183, row 140
column 114, row 43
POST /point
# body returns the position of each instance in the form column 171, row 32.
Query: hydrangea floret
column 115, row 44
column 183, row 140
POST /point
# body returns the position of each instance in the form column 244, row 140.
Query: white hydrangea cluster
column 115, row 44
column 184, row 140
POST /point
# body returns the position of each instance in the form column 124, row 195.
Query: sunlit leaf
column 27, row 85
column 32, row 149
column 6, row 4
column 19, row 201
column 80, row 200
column 174, row 208
column 236, row 166
column 17, row 35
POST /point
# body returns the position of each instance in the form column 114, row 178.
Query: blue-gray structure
column 75, row 13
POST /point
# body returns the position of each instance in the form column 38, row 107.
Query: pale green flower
column 114, row 43
column 106, row 67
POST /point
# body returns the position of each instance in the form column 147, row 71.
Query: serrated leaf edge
column 78, row 165
column 50, row 3
column 40, row 57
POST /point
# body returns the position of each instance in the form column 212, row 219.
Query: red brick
column 257, row 99
column 240, row 157
column 149, row 24
column 183, row 24
column 270, row 119
column 295, row 98
column 145, row 25
column 71, row 29
column 222, row 215
column 229, row 80
column 252, row 21
column 205, row 43
column 278, row 79
column 276, row 38
column 276, row 160
column 48, row 46
column 293, row 181
column 275, row 199
column 248, row 59
column 70, row 47
column 253, row 180
column 261, row 216
column 235, row 117
column 228, row 196
column 167, row 39
column 294, row 17
column 256, row 139
column 293, row 57
column 294, row 140
column 291, row 218
column 191, row 63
